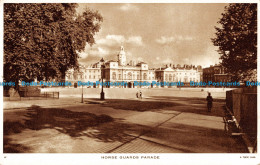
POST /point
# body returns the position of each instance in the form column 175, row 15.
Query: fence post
column 58, row 95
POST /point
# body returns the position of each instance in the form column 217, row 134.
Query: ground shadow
column 137, row 105
column 185, row 138
column 12, row 147
column 195, row 105
column 158, row 103
column 196, row 139
column 191, row 99
column 9, row 145
column 75, row 124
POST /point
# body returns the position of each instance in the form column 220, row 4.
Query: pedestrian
column 141, row 94
column 137, row 94
column 209, row 102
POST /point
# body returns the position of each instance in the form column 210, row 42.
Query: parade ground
column 163, row 121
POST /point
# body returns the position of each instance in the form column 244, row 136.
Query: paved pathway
column 74, row 128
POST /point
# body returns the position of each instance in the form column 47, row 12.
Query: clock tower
column 122, row 57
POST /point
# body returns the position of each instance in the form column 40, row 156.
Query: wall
column 243, row 104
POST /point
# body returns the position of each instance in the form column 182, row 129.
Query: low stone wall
column 243, row 104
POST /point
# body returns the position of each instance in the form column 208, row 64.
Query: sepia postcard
column 157, row 82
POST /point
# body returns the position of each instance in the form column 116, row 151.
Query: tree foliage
column 237, row 40
column 43, row 40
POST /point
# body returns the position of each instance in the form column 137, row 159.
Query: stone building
column 184, row 74
column 216, row 73
column 121, row 71
column 114, row 71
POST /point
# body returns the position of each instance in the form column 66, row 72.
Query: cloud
column 109, row 46
column 167, row 61
column 135, row 40
column 94, row 51
column 128, row 7
column 116, row 40
column 140, row 59
column 83, row 54
column 173, row 39
column 99, row 52
column 111, row 40
column 165, row 40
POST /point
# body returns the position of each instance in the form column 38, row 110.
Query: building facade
column 114, row 71
column 121, row 71
column 216, row 73
column 184, row 74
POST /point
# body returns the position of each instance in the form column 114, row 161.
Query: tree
column 43, row 40
column 237, row 40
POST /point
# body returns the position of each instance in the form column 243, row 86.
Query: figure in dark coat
column 209, row 102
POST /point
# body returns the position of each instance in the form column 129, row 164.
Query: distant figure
column 140, row 94
column 137, row 94
column 209, row 100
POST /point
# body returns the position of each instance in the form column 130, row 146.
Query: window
column 89, row 76
column 170, row 77
column 129, row 76
column 119, row 77
column 114, row 75
column 75, row 76
column 145, row 76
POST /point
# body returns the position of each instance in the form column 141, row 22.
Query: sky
column 157, row 34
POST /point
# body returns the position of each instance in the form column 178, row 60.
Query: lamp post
column 82, row 95
column 102, row 94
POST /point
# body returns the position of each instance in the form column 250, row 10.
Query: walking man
column 209, row 102
column 141, row 94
